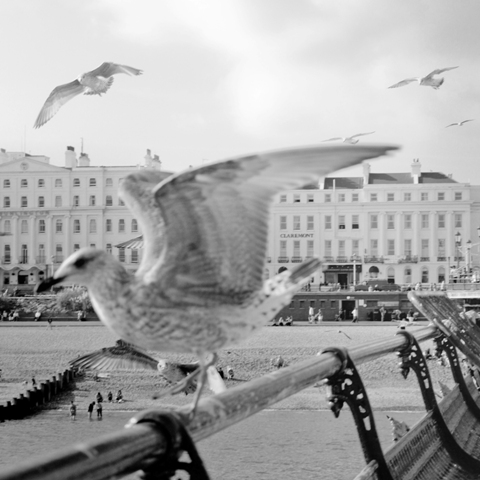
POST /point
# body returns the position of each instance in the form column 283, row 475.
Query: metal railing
column 130, row 449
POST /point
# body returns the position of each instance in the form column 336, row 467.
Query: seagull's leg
column 204, row 366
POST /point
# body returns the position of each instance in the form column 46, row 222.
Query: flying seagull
column 200, row 286
column 350, row 140
column 427, row 81
column 96, row 82
column 125, row 356
column 459, row 124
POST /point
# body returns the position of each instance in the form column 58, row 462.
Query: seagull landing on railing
column 96, row 82
column 200, row 286
column 125, row 356
column 427, row 81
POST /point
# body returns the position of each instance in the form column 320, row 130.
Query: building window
column 41, row 253
column 341, row 197
column 341, row 222
column 76, row 201
column 41, row 182
column 458, row 196
column 76, row 182
column 374, row 247
column 121, row 225
column 7, row 226
column 296, row 198
column 6, row 183
column 458, row 220
column 328, row 197
column 134, row 225
column 373, row 197
column 354, row 197
column 6, row 202
column 441, row 247
column 58, row 182
column 425, row 275
column 341, row 248
column 441, row 220
column 296, row 248
column 58, row 226
column 390, row 247
column 310, row 222
column 374, row 221
column 407, row 221
column 407, row 247
column 24, row 254
column 24, row 183
column 390, row 197
column 355, row 247
column 58, row 201
column 108, row 225
column 309, row 248
column 108, row 201
column 390, row 221
column 283, row 199
column 109, row 182
column 59, row 252
column 283, row 222
column 296, row 222
column 76, row 247
column 407, row 197
column 425, row 247
column 408, row 275
column 328, row 248
column 93, row 225
column 24, row 202
column 76, row 226
column 41, row 226
column 7, row 254
column 355, row 222
column 24, row 226
column 93, row 182
column 441, row 196
column 328, row 222
column 283, row 248
column 309, row 197
column 91, row 201
column 41, row 202
column 424, row 196
column 425, row 221
column 108, row 248
column 134, row 258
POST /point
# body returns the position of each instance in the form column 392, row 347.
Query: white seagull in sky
column 350, row 140
column 427, row 81
column 96, row 82
column 459, row 124
column 200, row 286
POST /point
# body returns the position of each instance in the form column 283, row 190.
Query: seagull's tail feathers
column 214, row 381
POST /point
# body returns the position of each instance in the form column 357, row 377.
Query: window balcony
column 328, row 259
column 424, row 259
column 283, row 259
column 342, row 259
column 23, row 260
column 372, row 259
column 408, row 259
column 297, row 259
column 441, row 259
column 40, row 259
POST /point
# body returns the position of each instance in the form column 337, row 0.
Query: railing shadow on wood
column 153, row 439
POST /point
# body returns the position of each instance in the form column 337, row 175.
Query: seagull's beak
column 47, row 284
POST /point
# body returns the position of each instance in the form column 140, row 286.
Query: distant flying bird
column 459, row 124
column 125, row 356
column 350, row 140
column 96, row 82
column 200, row 286
column 427, row 81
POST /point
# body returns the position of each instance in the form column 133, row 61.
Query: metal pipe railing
column 127, row 449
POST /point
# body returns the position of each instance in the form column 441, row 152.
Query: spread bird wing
column 107, row 69
column 452, row 125
column 465, row 121
column 438, row 71
column 361, row 134
column 404, row 82
column 122, row 356
column 331, row 139
column 59, row 96
column 215, row 219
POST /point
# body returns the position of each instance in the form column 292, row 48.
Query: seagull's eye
column 80, row 262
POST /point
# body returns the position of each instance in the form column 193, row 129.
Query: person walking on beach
column 99, row 398
column 99, row 409
column 110, row 397
column 73, row 411
column 90, row 409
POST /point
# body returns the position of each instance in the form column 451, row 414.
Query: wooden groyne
column 27, row 403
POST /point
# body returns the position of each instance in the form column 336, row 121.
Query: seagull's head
column 83, row 267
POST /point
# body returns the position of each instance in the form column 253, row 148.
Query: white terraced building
column 395, row 226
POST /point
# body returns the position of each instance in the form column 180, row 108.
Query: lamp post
column 354, row 258
column 467, row 260
column 458, row 242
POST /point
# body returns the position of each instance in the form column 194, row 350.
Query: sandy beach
column 40, row 352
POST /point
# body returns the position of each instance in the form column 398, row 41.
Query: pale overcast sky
column 229, row 77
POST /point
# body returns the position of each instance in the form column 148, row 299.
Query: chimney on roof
column 84, row 160
column 3, row 156
column 156, row 162
column 148, row 159
column 416, row 170
column 366, row 173
column 70, row 158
